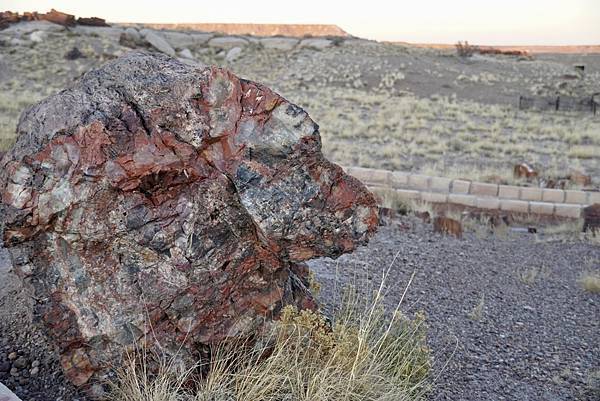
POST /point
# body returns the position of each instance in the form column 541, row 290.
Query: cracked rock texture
column 163, row 204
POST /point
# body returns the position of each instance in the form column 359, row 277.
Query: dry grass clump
column 590, row 281
column 11, row 105
column 364, row 354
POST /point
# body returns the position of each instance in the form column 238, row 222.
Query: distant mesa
column 294, row 30
column 528, row 49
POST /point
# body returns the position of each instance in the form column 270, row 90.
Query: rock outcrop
column 161, row 204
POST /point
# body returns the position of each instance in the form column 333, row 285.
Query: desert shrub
column 364, row 353
column 464, row 49
column 590, row 281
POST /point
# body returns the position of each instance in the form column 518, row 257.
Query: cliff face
column 297, row 30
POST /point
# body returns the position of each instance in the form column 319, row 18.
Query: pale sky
column 501, row 22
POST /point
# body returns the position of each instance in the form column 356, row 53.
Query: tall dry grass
column 364, row 353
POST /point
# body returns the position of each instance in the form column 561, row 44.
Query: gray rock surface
column 159, row 43
column 7, row 395
column 109, row 32
column 284, row 44
column 186, row 53
column 233, row 54
column 182, row 40
column 315, row 43
column 23, row 28
column 227, row 42
column 133, row 34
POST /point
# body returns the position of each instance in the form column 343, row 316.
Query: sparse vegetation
column 477, row 312
column 365, row 354
column 370, row 112
column 464, row 49
column 590, row 281
column 530, row 275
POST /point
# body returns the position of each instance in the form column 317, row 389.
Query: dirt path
column 507, row 315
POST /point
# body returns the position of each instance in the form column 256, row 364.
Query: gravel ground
column 507, row 318
column 28, row 365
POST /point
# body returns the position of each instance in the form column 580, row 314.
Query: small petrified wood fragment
column 591, row 219
column 158, row 203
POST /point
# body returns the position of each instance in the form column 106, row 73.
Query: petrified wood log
column 158, row 203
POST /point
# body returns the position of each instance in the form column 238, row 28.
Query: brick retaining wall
column 557, row 202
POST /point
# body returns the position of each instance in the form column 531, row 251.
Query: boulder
column 233, row 54
column 158, row 42
column 92, row 21
column 186, row 53
column 284, row 44
column 27, row 27
column 58, row 17
column 227, row 42
column 107, row 32
column 131, row 38
column 447, row 226
column 179, row 40
column 158, row 205
column 316, row 43
column 200, row 38
column 74, row 54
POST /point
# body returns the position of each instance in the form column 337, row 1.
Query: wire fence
column 563, row 103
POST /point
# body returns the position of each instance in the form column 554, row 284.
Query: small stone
column 12, row 356
column 21, row 362
column 5, row 367
column 227, row 42
column 186, row 53
column 35, row 364
column 591, row 218
column 58, row 17
column 14, row 372
column 34, row 371
column 74, row 54
column 38, row 36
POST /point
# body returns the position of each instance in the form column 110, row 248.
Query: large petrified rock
column 158, row 203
